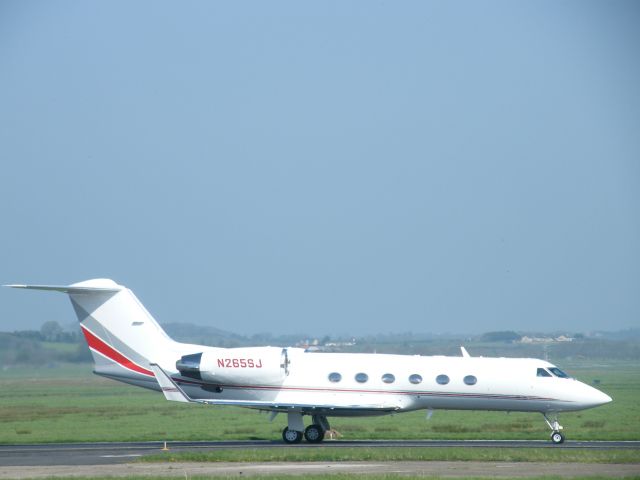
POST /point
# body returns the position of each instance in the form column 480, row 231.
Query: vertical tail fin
column 123, row 336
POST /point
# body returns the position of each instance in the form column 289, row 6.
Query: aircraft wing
column 173, row 392
column 170, row 388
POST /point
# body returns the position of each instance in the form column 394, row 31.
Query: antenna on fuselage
column 464, row 352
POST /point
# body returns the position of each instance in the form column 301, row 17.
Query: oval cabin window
column 442, row 379
column 415, row 378
column 335, row 377
column 470, row 380
column 362, row 377
column 388, row 378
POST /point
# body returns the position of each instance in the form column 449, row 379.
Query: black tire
column 314, row 433
column 557, row 438
column 291, row 436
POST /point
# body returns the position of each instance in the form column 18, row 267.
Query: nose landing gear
column 556, row 435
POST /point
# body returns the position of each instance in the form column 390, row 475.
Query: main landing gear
column 291, row 436
column 314, row 433
column 556, row 435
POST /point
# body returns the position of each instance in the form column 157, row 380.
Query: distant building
column 561, row 338
column 341, row 344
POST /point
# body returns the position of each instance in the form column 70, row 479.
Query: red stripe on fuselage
column 101, row 347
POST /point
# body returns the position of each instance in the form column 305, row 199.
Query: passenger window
column 558, row 373
column 388, row 378
column 442, row 379
column 415, row 379
column 470, row 380
column 362, row 377
column 543, row 373
column 335, row 377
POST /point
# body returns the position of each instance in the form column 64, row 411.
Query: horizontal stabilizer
column 99, row 285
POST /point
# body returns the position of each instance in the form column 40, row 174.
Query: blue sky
column 325, row 167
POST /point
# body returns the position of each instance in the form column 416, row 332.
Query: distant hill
column 215, row 337
column 628, row 334
column 203, row 335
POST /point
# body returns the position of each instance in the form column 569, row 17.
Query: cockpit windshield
column 543, row 373
column 558, row 373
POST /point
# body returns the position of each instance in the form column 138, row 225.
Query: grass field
column 71, row 405
column 448, row 454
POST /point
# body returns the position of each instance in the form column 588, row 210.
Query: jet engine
column 236, row 366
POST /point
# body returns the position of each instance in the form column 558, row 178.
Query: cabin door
column 284, row 361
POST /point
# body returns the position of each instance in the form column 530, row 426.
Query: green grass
column 347, row 454
column 71, row 405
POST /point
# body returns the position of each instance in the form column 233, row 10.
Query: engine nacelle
column 237, row 366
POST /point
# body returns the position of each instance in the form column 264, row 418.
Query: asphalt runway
column 119, row 453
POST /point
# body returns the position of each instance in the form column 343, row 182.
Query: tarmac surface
column 113, row 459
column 123, row 452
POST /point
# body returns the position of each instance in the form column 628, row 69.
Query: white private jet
column 128, row 345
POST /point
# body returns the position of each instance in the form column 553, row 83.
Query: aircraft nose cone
column 604, row 398
column 596, row 398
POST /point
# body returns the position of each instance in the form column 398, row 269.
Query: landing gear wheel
column 314, row 434
column 556, row 436
column 291, row 436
